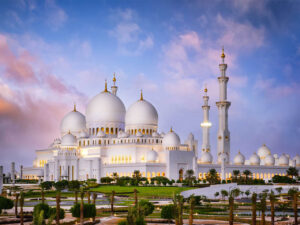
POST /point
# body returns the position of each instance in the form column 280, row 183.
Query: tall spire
column 105, row 88
column 206, row 124
column 223, row 55
column 74, row 107
column 114, row 88
column 141, row 98
column 114, row 79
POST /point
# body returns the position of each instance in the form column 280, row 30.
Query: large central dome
column 105, row 112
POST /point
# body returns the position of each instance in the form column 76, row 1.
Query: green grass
column 144, row 192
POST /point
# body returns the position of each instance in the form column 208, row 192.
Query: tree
column 292, row 172
column 112, row 200
column 6, row 203
column 247, row 173
column 136, row 176
column 224, row 194
column 16, row 204
column 254, row 197
column 81, row 207
column 231, row 205
column 21, row 207
column 192, row 206
column 57, row 207
column 74, row 185
column 189, row 176
column 293, row 192
column 89, row 211
column 236, row 174
column 88, row 197
column 272, row 199
column 217, row 194
column 135, row 197
column 263, row 207
column 115, row 177
column 212, row 176
column 61, row 185
column 279, row 190
column 247, row 193
column 47, row 185
column 167, row 212
column 178, row 204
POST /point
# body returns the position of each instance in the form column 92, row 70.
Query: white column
column 223, row 139
column 1, row 179
column 206, row 124
column 21, row 172
column 12, row 172
column 223, row 161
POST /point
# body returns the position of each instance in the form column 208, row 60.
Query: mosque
column 109, row 139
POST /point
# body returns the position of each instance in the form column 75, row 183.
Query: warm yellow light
column 206, row 124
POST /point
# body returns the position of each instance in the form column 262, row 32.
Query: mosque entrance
column 181, row 175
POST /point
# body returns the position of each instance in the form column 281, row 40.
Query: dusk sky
column 55, row 53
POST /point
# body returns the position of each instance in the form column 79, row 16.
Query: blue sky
column 55, row 53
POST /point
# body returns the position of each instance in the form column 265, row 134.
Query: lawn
column 146, row 192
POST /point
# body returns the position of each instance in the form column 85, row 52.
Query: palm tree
column 231, row 204
column 279, row 190
column 212, row 176
column 115, row 176
column 76, row 196
column 88, row 197
column 94, row 202
column 135, row 197
column 254, row 197
column 136, row 176
column 292, row 172
column 189, row 176
column 217, row 194
column 295, row 207
column 247, row 173
column 112, row 199
column 16, row 204
column 192, row 205
column 42, row 194
column 247, row 193
column 57, row 207
column 272, row 199
column 236, row 173
column 81, row 207
column 263, row 205
column 224, row 194
column 178, row 209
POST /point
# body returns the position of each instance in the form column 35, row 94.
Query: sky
column 57, row 53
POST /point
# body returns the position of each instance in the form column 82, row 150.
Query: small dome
column 162, row 134
column 239, row 159
column 139, row 134
column 276, row 156
column 171, row 139
column 155, row 134
column 152, row 156
column 263, row 151
column 74, row 122
column 105, row 110
column 254, row 159
column 141, row 115
column 101, row 134
column 269, row 160
column 83, row 134
column 69, row 140
column 206, row 158
column 287, row 155
column 297, row 159
column 283, row 160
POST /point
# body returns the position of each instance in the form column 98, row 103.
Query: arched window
column 99, row 142
column 88, row 142
column 107, row 130
column 102, row 128
column 112, row 130
column 156, row 141
column 93, row 131
column 116, row 130
column 79, row 143
column 153, row 174
column 143, row 132
column 158, row 174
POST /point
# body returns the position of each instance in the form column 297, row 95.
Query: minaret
column 206, row 124
column 223, row 141
column 114, row 88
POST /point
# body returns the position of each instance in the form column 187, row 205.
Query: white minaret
column 223, row 139
column 114, row 88
column 206, row 124
column 1, row 179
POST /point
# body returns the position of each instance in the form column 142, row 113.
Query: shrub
column 74, row 185
column 282, row 179
column 123, row 222
column 41, row 207
column 89, row 210
column 167, row 212
column 6, row 203
column 52, row 211
column 106, row 180
column 146, row 206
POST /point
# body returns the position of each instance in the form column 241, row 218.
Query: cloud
column 131, row 39
column 56, row 16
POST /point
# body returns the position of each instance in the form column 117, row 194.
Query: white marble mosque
column 109, row 138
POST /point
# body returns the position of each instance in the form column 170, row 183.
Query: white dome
column 74, row 122
column 68, row 140
column 269, row 160
column 83, row 134
column 152, row 156
column 155, row 134
column 171, row 139
column 254, row 159
column 283, row 160
column 105, row 110
column 263, row 151
column 141, row 115
column 206, row 158
column 297, row 159
column 101, row 134
column 239, row 159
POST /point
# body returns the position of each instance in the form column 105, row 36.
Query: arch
column 107, row 130
column 112, row 130
column 158, row 174
column 97, row 130
column 143, row 131
column 116, row 131
column 147, row 131
column 163, row 174
column 93, row 131
column 153, row 174
column 102, row 128
column 180, row 173
column 99, row 142
column 79, row 143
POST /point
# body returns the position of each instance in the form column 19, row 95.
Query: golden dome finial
column 223, row 54
column 74, row 107
column 141, row 98
column 105, row 89
column 171, row 129
column 205, row 88
column 114, row 79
